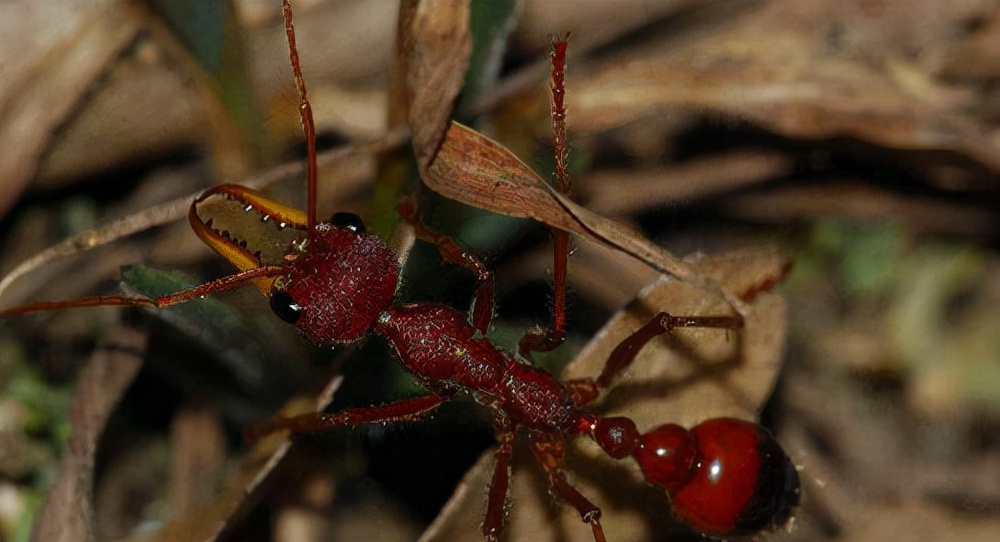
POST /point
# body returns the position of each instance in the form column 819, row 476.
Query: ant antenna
column 306, row 116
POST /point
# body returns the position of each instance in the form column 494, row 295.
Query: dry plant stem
column 68, row 510
column 615, row 192
column 198, row 440
column 34, row 104
column 859, row 199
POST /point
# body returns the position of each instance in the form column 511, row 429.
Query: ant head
column 339, row 284
column 339, row 278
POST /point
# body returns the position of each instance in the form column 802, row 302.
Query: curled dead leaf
column 38, row 79
column 774, row 66
column 685, row 377
column 435, row 46
column 475, row 170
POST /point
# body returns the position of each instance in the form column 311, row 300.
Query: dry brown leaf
column 694, row 375
column 94, row 85
column 198, row 452
column 863, row 476
column 738, row 390
column 979, row 58
column 113, row 124
column 920, row 521
column 213, row 522
column 435, row 48
column 617, row 192
column 67, row 515
column 775, row 67
column 786, row 205
column 52, row 50
column 475, row 170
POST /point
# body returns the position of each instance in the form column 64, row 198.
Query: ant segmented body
column 337, row 282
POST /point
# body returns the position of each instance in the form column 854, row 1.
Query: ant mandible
column 337, row 282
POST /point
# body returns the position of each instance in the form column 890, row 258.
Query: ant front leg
column 219, row 285
column 450, row 251
column 541, row 339
column 549, row 451
column 586, row 390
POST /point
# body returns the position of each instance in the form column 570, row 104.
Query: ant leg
column 482, row 313
column 563, row 183
column 541, row 339
column 586, row 390
column 500, row 483
column 305, row 116
column 399, row 411
column 216, row 286
column 550, row 452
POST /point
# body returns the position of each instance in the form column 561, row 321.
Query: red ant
column 337, row 282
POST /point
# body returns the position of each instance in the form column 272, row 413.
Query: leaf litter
column 910, row 80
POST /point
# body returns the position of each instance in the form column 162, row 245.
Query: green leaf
column 491, row 23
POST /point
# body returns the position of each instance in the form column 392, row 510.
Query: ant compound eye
column 348, row 221
column 285, row 306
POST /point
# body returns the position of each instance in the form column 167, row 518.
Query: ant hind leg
column 550, row 454
column 586, row 390
column 500, row 483
column 403, row 410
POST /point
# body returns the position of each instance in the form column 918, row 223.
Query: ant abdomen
column 724, row 476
